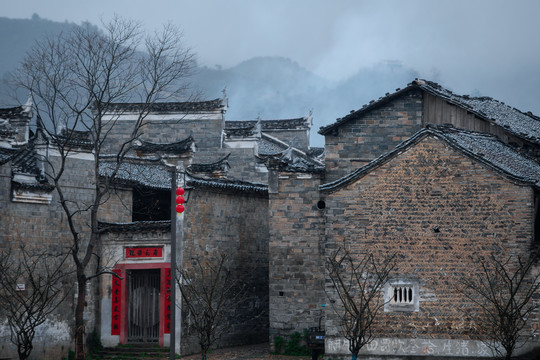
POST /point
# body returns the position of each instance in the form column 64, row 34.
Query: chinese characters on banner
column 144, row 252
column 116, row 303
column 167, row 301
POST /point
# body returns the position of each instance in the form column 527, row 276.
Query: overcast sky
column 490, row 46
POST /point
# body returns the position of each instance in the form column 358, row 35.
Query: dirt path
column 250, row 352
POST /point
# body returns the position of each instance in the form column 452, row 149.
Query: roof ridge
column 441, row 132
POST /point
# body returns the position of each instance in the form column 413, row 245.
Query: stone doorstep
column 134, row 351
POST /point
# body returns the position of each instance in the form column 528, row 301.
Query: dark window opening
column 151, row 205
column 321, row 204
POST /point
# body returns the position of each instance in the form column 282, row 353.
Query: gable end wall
column 436, row 209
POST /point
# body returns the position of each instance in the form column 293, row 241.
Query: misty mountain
column 269, row 87
column 278, row 88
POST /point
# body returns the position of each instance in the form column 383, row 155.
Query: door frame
column 124, row 297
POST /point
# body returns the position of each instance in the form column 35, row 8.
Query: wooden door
column 143, row 312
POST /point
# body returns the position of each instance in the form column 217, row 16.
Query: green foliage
column 279, row 343
column 95, row 344
column 71, row 355
column 294, row 347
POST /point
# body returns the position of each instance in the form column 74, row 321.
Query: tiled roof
column 246, row 127
column 33, row 186
column 484, row 148
column 75, row 138
column 6, row 129
column 135, row 226
column 6, row 155
column 220, row 165
column 168, row 107
column 179, row 147
column 16, row 112
column 228, row 185
column 133, row 171
column 523, row 125
column 24, row 160
column 288, row 158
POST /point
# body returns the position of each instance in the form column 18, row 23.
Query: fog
column 487, row 47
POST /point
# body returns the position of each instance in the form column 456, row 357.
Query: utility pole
column 172, row 339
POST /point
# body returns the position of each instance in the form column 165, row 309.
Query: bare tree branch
column 358, row 284
column 74, row 79
column 44, row 276
column 504, row 291
column 209, row 292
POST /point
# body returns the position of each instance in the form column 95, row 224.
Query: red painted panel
column 143, row 252
column 116, row 312
column 167, row 317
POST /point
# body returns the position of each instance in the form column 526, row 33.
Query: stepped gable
column 316, row 152
column 75, row 138
column 167, row 107
column 17, row 112
column 286, row 157
column 520, row 124
column 150, row 173
column 484, row 148
column 244, row 128
column 220, row 165
column 6, row 129
column 6, row 154
column 228, row 185
column 25, row 162
column 178, row 147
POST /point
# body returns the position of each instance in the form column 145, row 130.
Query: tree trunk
column 79, row 316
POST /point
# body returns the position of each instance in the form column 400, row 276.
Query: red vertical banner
column 116, row 303
column 167, row 312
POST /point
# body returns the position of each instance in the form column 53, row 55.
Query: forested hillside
column 269, row 87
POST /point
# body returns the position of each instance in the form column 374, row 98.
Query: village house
column 220, row 162
column 431, row 176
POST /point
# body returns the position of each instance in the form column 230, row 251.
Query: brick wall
column 234, row 224
column 296, row 253
column 372, row 134
column 117, row 207
column 45, row 225
column 436, row 209
column 205, row 131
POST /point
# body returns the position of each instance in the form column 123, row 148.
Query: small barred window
column 401, row 295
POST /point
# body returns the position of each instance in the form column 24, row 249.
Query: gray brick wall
column 436, row 209
column 234, row 224
column 372, row 134
column 296, row 254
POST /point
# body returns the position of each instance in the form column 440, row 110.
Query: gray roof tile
column 523, row 125
column 485, row 148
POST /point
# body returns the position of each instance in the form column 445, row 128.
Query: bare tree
column 43, row 277
column 358, row 284
column 74, row 80
column 209, row 291
column 504, row 290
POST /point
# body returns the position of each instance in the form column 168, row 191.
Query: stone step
column 133, row 352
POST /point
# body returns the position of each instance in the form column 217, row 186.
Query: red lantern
column 180, row 200
column 180, row 209
column 180, row 191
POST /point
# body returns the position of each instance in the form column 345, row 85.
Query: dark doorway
column 143, row 313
